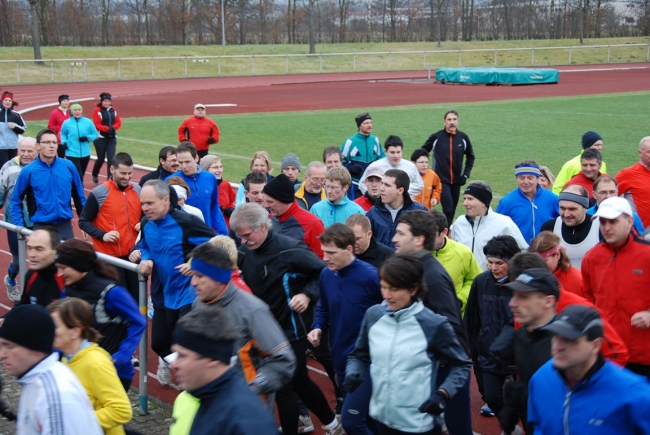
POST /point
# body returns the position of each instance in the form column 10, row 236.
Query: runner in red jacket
column 200, row 130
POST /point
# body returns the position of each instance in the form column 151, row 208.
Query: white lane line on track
column 320, row 372
column 43, row 106
column 603, row 69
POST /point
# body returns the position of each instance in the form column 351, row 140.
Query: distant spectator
column 76, row 134
column 393, row 160
column 360, row 150
column 430, row 195
column 107, row 122
column 449, row 147
column 547, row 178
column 57, row 118
column 290, row 166
column 590, row 139
column 200, row 130
column 11, row 126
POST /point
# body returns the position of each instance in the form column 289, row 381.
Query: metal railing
column 144, row 343
column 141, row 68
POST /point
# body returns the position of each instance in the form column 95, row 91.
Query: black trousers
column 81, row 163
column 6, row 155
column 449, row 201
column 162, row 326
column 385, row 430
column 306, row 390
column 105, row 148
column 202, row 154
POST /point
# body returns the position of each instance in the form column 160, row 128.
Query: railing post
column 320, row 60
column 22, row 258
column 532, row 56
column 85, row 71
column 144, row 348
column 609, row 47
column 286, row 64
column 495, row 57
column 253, row 63
column 354, row 62
column 52, row 69
column 119, row 69
column 389, row 61
column 424, row 59
column 219, row 66
column 647, row 57
column 429, row 76
column 18, row 69
column 460, row 58
column 570, row 50
column 152, row 72
column 185, row 66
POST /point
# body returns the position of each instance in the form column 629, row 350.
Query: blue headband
column 216, row 350
column 528, row 170
column 216, row 273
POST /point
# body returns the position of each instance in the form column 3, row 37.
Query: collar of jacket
column 212, row 388
column 600, row 362
column 405, row 312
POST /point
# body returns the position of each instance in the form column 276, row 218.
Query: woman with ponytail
column 116, row 315
column 77, row 339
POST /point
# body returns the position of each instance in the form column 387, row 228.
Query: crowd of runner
column 357, row 263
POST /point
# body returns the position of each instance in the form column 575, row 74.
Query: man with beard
column 311, row 190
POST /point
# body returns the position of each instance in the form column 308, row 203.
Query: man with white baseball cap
column 616, row 277
column 578, row 368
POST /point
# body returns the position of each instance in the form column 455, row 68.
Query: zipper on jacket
column 451, row 159
column 128, row 221
column 567, row 407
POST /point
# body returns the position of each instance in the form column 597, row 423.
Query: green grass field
column 335, row 58
column 503, row 133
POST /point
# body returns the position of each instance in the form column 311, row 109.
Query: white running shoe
column 163, row 374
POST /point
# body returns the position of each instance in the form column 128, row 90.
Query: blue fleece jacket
column 73, row 129
column 47, row 190
column 204, row 195
column 345, row 295
column 331, row 213
column 168, row 242
column 382, row 224
column 609, row 401
column 529, row 215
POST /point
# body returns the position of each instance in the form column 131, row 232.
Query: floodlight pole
column 223, row 25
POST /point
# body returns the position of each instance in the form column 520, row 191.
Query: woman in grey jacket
column 405, row 343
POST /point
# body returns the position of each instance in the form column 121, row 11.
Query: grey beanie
column 290, row 160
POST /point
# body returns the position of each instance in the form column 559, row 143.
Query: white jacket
column 416, row 185
column 484, row 228
column 53, row 402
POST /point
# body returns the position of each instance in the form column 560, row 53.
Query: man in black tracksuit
column 168, row 165
column 449, row 145
column 285, row 274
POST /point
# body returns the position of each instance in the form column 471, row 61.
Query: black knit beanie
column 590, row 138
column 105, row 96
column 29, row 326
column 76, row 254
column 281, row 188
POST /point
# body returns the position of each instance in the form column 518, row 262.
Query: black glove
column 211, row 140
column 64, row 146
column 83, row 139
column 463, row 180
column 434, row 405
column 352, row 381
column 111, row 131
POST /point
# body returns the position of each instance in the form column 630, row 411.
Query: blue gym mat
column 486, row 76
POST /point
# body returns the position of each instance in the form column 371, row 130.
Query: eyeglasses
column 317, row 180
column 607, row 192
column 244, row 237
column 333, row 188
column 49, row 143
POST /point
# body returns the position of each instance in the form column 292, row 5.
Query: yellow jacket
column 94, row 368
column 461, row 265
column 185, row 408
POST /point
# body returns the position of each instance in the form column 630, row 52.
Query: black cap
column 281, row 188
column 536, row 280
column 576, row 321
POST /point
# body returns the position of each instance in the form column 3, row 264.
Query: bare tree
column 36, row 38
column 106, row 11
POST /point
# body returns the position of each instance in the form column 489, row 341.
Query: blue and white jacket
column 345, row 296
column 8, row 135
column 529, row 215
column 169, row 242
column 404, row 350
column 609, row 400
column 331, row 213
column 204, row 195
column 71, row 130
column 47, row 190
